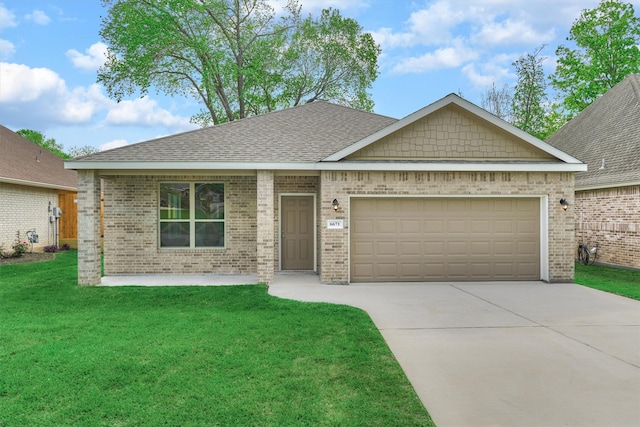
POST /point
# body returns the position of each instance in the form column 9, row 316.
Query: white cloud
column 41, row 95
column 145, row 112
column 24, row 84
column 427, row 27
column 38, row 17
column 490, row 73
column 7, row 49
column 7, row 18
column 94, row 59
column 113, row 144
column 446, row 57
column 511, row 32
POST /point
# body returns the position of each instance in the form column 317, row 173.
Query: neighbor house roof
column 606, row 136
column 26, row 163
column 314, row 136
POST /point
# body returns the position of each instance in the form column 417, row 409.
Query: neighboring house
column 449, row 193
column 31, row 181
column 606, row 136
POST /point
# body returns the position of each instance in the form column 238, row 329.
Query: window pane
column 174, row 234
column 174, row 201
column 209, row 234
column 209, row 201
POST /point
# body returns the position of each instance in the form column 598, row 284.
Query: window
column 191, row 215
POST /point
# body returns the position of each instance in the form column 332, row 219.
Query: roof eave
column 334, row 166
column 37, row 184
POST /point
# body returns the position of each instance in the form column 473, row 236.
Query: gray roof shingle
column 306, row 133
column 27, row 162
column 608, row 129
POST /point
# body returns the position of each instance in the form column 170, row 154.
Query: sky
column 50, row 51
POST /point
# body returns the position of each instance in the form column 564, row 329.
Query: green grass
column 188, row 356
column 615, row 280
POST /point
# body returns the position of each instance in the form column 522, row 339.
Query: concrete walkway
column 503, row 354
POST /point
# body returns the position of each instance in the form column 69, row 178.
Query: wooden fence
column 68, row 225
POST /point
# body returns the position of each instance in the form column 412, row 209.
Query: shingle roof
column 608, row 129
column 25, row 162
column 306, row 133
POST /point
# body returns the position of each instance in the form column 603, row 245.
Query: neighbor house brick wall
column 24, row 208
column 295, row 185
column 610, row 217
column 131, row 228
column 89, row 252
column 341, row 185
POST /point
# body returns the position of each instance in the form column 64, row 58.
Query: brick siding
column 131, row 228
column 24, row 208
column 611, row 218
column 340, row 185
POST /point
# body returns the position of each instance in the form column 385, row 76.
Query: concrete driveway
column 502, row 353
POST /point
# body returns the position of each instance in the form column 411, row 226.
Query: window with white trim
column 191, row 215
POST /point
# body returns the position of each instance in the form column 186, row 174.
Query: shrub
column 20, row 246
column 51, row 248
column 65, row 247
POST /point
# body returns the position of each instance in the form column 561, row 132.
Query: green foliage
column 82, row 151
column 20, row 246
column 606, row 40
column 236, row 57
column 530, row 94
column 48, row 143
column 188, row 356
column 615, row 280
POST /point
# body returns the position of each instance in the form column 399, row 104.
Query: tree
column 77, row 151
column 497, row 101
column 529, row 96
column 607, row 40
column 48, row 143
column 236, row 57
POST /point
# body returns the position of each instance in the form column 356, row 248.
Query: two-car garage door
column 438, row 239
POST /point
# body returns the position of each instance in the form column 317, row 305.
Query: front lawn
column 615, row 280
column 188, row 356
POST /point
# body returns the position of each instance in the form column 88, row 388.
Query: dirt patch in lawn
column 28, row 258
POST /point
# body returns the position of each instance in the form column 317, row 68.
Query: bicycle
column 587, row 256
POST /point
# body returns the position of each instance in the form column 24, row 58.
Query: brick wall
column 340, row 185
column 131, row 228
column 265, row 239
column 610, row 217
column 24, row 208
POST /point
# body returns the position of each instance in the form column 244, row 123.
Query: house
column 32, row 180
column 606, row 136
column 450, row 192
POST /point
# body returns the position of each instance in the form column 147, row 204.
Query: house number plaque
column 335, row 224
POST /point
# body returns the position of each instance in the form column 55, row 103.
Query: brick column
column 266, row 227
column 89, row 265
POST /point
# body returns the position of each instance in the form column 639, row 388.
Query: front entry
column 297, row 233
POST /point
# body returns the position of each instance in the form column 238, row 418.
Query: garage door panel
column 436, row 239
column 387, row 226
column 456, row 226
column 480, row 248
column 362, row 249
column 433, row 225
column 387, row 270
column 387, row 248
